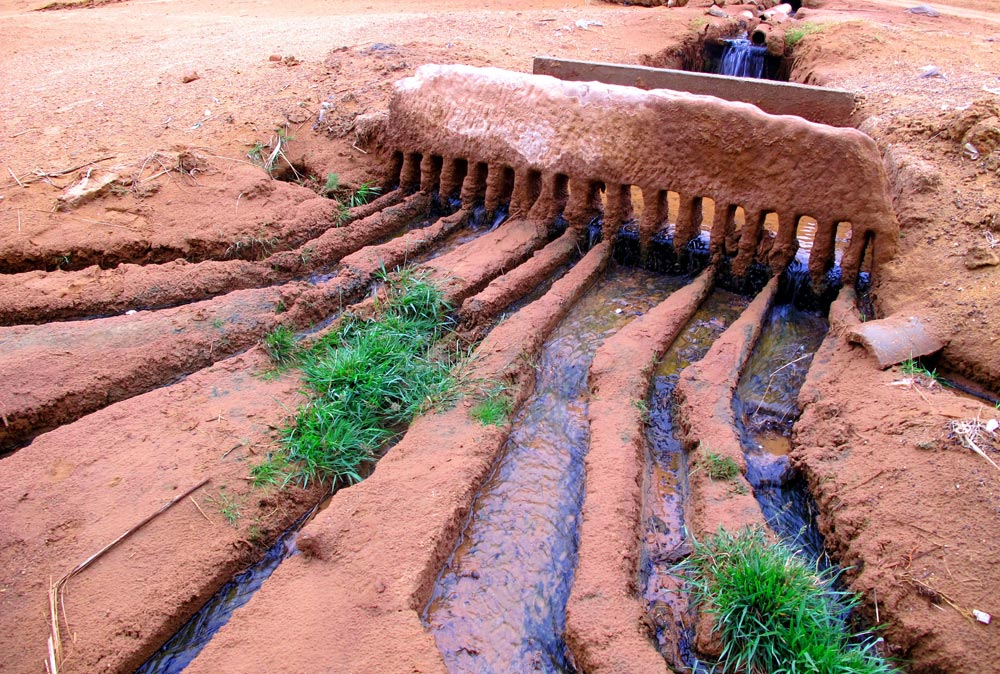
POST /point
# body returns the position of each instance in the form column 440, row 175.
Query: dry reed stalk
column 55, row 649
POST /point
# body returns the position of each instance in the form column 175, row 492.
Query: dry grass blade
column 770, row 380
column 971, row 433
column 55, row 653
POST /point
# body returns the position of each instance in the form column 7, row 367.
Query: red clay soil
column 38, row 296
column 606, row 629
column 900, row 500
column 76, row 489
column 58, row 372
column 913, row 516
column 371, row 557
column 707, row 424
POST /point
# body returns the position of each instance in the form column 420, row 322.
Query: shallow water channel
column 665, row 483
column 499, row 603
column 766, row 408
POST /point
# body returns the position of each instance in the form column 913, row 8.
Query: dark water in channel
column 665, row 487
column 499, row 603
column 188, row 642
column 766, row 408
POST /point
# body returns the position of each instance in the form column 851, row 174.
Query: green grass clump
column 331, row 185
column 361, row 196
column 721, row 468
column 774, row 613
column 494, row 408
column 366, row 380
column 912, row 367
column 280, row 346
column 794, row 35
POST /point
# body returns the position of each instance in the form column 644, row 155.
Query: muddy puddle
column 499, row 603
column 665, row 482
column 766, row 408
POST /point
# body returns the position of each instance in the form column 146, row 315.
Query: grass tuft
column 493, row 409
column 280, row 346
column 794, row 35
column 367, row 379
column 774, row 613
column 913, row 367
column 720, row 468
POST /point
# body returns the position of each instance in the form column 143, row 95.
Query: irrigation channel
column 665, row 482
column 499, row 603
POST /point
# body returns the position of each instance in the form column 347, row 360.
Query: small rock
column 584, row 24
column 717, row 12
column 931, row 71
column 925, row 10
column 190, row 76
column 982, row 616
column 380, row 586
column 274, row 58
column 981, row 256
column 85, row 190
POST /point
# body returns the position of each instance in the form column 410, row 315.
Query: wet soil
column 665, row 481
column 500, row 601
column 114, row 80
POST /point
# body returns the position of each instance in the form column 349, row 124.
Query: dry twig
column 55, row 651
column 971, row 433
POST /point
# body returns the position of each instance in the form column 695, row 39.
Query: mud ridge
column 605, row 627
column 39, row 297
column 390, row 532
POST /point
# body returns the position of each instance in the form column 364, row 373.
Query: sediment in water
column 500, row 600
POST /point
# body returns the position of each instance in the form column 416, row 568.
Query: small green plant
column 273, row 470
column 228, row 506
column 62, row 261
column 643, row 408
column 218, row 323
column 912, row 367
column 280, row 345
column 331, row 185
column 266, row 155
column 493, row 409
column 366, row 379
column 365, row 193
column 794, row 35
column 773, row 612
column 720, row 468
column 280, row 307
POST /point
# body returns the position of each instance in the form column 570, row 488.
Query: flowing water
column 665, row 483
column 766, row 408
column 499, row 603
column 742, row 58
column 190, row 639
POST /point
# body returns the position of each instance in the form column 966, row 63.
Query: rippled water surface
column 499, row 604
column 665, row 484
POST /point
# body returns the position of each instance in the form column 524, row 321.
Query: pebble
column 274, row 57
column 190, row 76
column 717, row 12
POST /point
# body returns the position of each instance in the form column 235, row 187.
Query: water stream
column 665, row 483
column 742, row 58
column 766, row 408
column 499, row 603
column 190, row 639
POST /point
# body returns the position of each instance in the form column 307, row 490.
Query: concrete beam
column 817, row 104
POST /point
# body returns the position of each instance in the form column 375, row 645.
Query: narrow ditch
column 664, row 541
column 766, row 409
column 499, row 602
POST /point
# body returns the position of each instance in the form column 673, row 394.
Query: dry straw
column 56, row 605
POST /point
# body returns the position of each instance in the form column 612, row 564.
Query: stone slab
column 817, row 104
